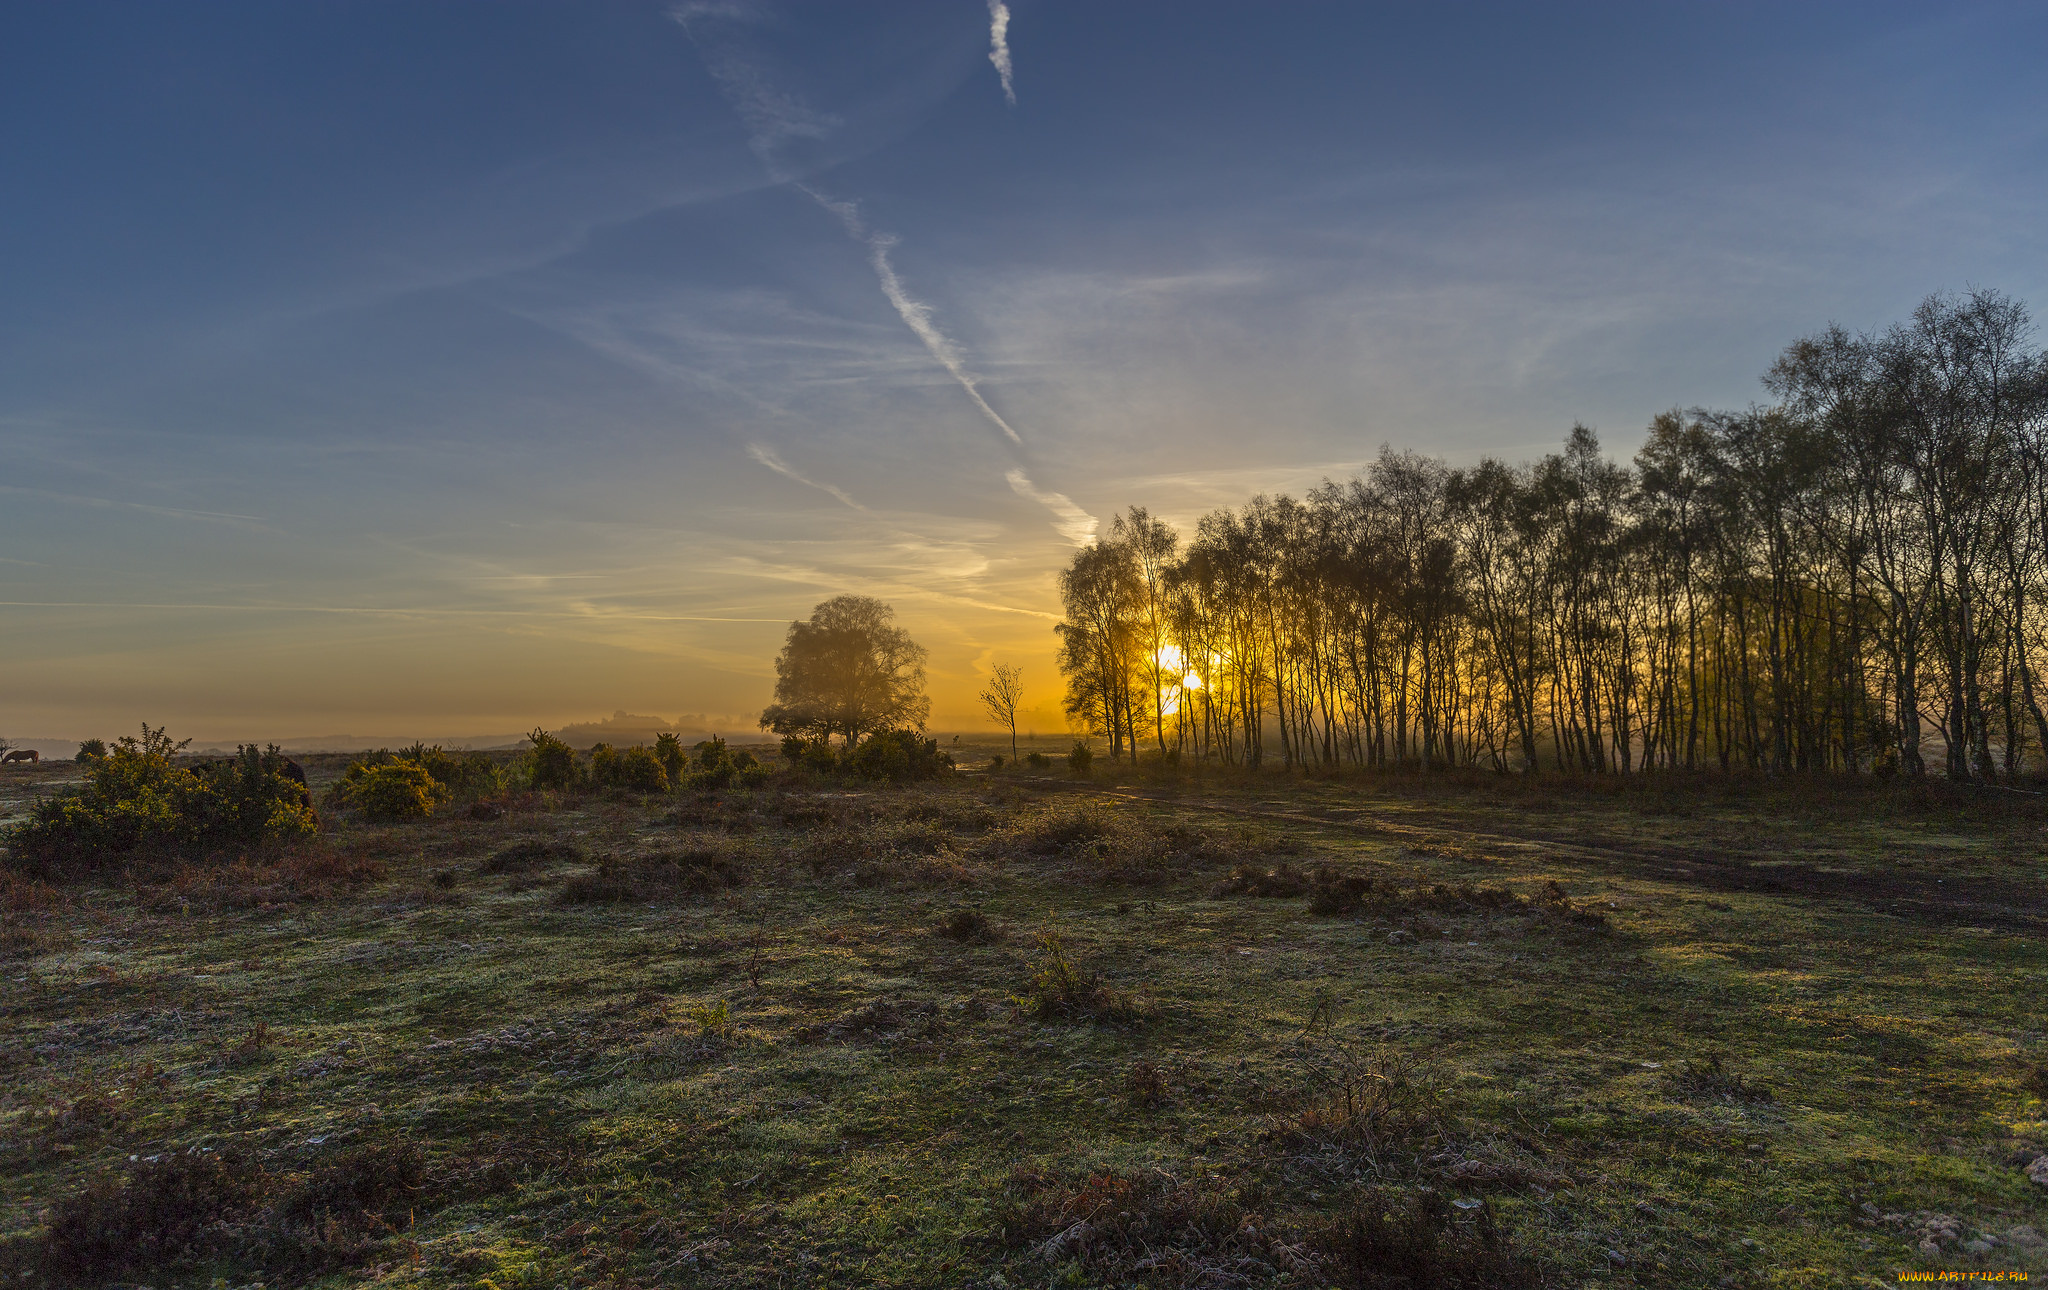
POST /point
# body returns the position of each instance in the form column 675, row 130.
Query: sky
column 443, row 369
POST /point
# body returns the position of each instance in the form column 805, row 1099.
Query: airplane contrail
column 1074, row 524
column 999, row 46
column 773, row 118
column 916, row 314
column 768, row 457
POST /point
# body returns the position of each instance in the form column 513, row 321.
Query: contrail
column 1075, row 525
column 999, row 45
column 773, row 118
column 768, row 457
column 916, row 314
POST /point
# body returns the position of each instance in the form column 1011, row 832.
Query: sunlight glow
column 1179, row 680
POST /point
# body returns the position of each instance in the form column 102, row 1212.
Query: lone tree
column 1005, row 691
column 849, row 671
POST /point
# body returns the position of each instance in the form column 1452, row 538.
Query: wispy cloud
column 767, row 456
column 772, row 117
column 171, row 512
column 584, row 610
column 1074, row 524
column 999, row 46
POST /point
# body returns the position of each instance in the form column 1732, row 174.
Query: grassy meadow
column 1022, row 1029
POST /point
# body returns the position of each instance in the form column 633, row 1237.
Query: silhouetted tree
column 1002, row 697
column 848, row 671
column 1821, row 583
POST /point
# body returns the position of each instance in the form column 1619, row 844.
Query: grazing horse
column 29, row 755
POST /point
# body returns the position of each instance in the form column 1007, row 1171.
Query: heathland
column 1028, row 1026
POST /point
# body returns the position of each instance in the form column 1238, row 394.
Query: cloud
column 771, row 116
column 1074, row 524
column 584, row 610
column 767, row 457
column 171, row 512
column 999, row 45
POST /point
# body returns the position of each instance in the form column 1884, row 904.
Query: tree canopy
column 1829, row 582
column 848, row 671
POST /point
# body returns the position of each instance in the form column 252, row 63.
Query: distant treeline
column 1848, row 578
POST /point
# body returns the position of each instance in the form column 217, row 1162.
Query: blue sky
column 446, row 368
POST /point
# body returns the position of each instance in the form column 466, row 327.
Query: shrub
column 551, row 763
column 898, row 755
column 1148, row 1228
column 522, row 856
column 466, row 775
column 368, row 1184
column 809, row 754
column 1079, row 760
column 1371, row 1105
column 391, row 785
column 1707, row 1077
column 720, row 767
column 1252, row 880
column 635, row 769
column 1389, row 1240
column 309, row 874
column 1555, row 905
column 668, row 750
column 137, row 800
column 163, row 1212
column 996, row 762
column 398, row 790
column 969, row 926
column 1331, row 892
column 1145, row 1084
column 644, row 879
column 1104, row 844
column 714, row 1020
column 1060, row 990
column 336, row 1217
column 1037, row 760
column 92, row 750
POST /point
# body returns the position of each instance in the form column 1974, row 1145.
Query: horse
column 27, row 756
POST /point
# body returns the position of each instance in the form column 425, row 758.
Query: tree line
column 1847, row 577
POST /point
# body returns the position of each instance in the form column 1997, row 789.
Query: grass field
column 1023, row 1030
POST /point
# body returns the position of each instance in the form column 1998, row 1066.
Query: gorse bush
column 466, row 775
column 90, row 751
column 397, row 790
column 138, row 801
column 668, row 750
column 720, row 767
column 413, row 782
column 551, row 763
column 809, row 754
column 635, row 769
column 898, row 756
